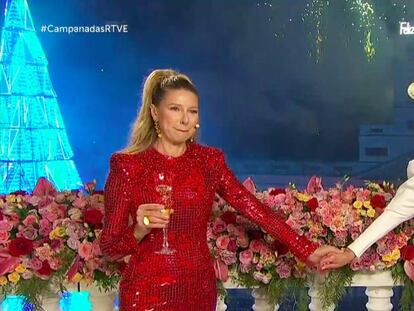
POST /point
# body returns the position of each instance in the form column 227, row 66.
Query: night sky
column 261, row 96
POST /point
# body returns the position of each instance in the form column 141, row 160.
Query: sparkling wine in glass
column 164, row 188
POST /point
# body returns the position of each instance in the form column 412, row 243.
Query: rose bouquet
column 48, row 239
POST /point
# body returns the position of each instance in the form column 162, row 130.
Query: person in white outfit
column 400, row 209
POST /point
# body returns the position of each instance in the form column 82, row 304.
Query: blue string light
column 71, row 301
column 16, row 303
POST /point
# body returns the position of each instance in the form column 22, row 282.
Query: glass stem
column 165, row 244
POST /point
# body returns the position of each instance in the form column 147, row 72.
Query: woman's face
column 177, row 115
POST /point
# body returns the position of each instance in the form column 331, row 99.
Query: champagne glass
column 163, row 185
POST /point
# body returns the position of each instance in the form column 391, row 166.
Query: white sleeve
column 400, row 209
column 410, row 169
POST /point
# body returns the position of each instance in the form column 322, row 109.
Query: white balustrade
column 379, row 290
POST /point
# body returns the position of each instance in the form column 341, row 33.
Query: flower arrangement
column 334, row 216
column 49, row 239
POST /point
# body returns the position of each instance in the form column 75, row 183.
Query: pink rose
column 256, row 246
column 79, row 203
column 284, row 270
column 5, row 225
column 219, row 226
column 223, row 241
column 228, row 257
column 85, row 250
column 50, row 215
column 45, row 227
column 30, row 220
column 73, row 243
column 75, row 231
column 276, row 200
column 355, row 265
column 246, row 257
column 4, row 236
column 54, row 264
column 29, row 233
column 34, row 264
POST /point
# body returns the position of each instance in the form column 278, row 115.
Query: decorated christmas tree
column 33, row 139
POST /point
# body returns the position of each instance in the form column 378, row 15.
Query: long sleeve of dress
column 117, row 238
column 400, row 209
column 231, row 190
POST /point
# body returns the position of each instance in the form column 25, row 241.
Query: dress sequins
column 184, row 280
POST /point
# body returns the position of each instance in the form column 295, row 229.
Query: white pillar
column 221, row 305
column 379, row 298
column 379, row 289
column 102, row 301
column 316, row 303
column 261, row 303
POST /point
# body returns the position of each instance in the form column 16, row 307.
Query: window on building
column 376, row 151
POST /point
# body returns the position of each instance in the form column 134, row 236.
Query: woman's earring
column 157, row 128
column 197, row 126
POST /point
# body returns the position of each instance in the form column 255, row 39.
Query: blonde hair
column 143, row 133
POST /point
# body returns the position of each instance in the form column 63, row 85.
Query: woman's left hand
column 335, row 260
column 315, row 258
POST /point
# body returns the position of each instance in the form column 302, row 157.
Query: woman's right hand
column 157, row 216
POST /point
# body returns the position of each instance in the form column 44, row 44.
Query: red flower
column 232, row 247
column 93, row 217
column 378, row 201
column 20, row 246
column 280, row 248
column 407, row 252
column 45, row 270
column 229, row 217
column 277, row 191
column 312, row 204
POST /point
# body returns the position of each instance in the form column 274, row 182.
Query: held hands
column 156, row 217
column 317, row 256
column 337, row 260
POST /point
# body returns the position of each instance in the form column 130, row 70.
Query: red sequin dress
column 184, row 280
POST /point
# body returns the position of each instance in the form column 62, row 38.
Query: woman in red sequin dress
column 163, row 142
